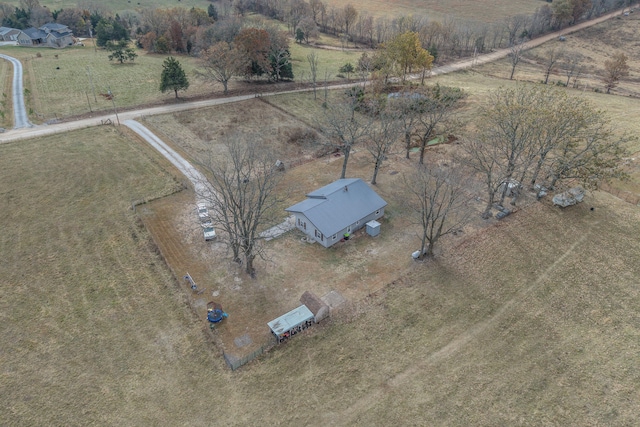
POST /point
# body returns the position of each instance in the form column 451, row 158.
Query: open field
column 329, row 61
column 483, row 11
column 62, row 82
column 119, row 6
column 530, row 321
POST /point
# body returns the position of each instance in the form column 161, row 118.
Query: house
column 7, row 34
column 58, row 35
column 14, row 35
column 337, row 210
column 49, row 35
column 37, row 36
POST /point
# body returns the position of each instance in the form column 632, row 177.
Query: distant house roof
column 35, row 33
column 334, row 207
column 52, row 26
column 5, row 30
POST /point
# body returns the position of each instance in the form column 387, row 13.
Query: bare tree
column 436, row 104
column 29, row 5
column 515, row 54
column 438, row 200
column 572, row 66
column 486, row 159
column 243, row 195
column 593, row 156
column 312, row 58
column 345, row 126
column 221, row 62
column 529, row 130
column 407, row 109
column 382, row 136
column 516, row 28
column 550, row 61
column 615, row 69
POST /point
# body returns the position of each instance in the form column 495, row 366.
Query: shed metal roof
column 339, row 204
column 290, row 320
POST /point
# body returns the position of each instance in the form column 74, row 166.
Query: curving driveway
column 20, row 118
column 203, row 190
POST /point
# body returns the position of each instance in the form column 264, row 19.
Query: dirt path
column 26, row 133
column 20, row 117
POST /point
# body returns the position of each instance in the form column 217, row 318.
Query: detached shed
column 291, row 323
column 318, row 307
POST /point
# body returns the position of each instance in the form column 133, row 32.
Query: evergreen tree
column 212, row 12
column 173, row 76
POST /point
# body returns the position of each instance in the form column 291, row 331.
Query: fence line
column 235, row 362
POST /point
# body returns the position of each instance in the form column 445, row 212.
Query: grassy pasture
column 94, row 330
column 329, row 62
column 120, row 6
column 60, row 85
column 483, row 10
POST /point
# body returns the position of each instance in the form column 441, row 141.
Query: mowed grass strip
column 62, row 82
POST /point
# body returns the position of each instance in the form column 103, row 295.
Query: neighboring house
column 337, row 210
column 37, row 36
column 58, row 35
column 8, row 34
column 49, row 35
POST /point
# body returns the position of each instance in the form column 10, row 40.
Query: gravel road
column 25, row 131
column 20, row 118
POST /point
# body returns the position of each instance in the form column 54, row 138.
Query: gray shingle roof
column 339, row 204
column 35, row 33
column 55, row 27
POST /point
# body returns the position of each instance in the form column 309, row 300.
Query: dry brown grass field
column 482, row 11
column 6, row 71
column 529, row 321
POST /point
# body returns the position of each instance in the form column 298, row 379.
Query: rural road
column 23, row 131
column 20, row 118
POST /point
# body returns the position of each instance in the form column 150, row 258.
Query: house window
column 335, row 236
column 349, row 229
column 357, row 222
column 377, row 212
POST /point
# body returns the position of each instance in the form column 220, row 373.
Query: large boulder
column 569, row 198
